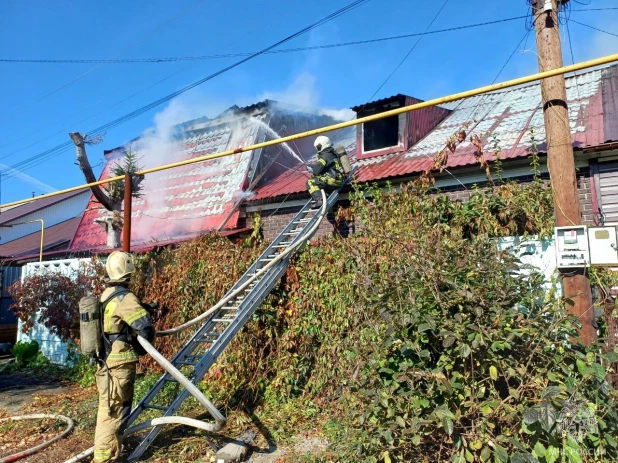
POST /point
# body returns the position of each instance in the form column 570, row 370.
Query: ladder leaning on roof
column 211, row 339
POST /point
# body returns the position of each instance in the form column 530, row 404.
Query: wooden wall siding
column 607, row 178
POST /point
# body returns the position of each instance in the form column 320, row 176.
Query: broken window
column 380, row 134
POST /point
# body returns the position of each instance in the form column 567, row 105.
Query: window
column 380, row 134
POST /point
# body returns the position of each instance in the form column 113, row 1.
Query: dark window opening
column 383, row 133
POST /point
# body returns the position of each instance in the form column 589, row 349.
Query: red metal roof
column 508, row 115
column 185, row 201
column 55, row 237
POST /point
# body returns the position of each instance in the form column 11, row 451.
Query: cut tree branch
column 84, row 165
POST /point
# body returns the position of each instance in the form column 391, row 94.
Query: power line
column 409, row 52
column 104, row 98
column 242, row 54
column 596, row 9
column 42, row 157
column 595, row 28
column 22, row 109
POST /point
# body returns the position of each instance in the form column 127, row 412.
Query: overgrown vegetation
column 416, row 339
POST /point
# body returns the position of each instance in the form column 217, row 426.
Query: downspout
column 595, row 193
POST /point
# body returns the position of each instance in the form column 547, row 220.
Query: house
column 226, row 193
column 20, row 242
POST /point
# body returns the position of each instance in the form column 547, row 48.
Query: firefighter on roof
column 327, row 173
column 124, row 317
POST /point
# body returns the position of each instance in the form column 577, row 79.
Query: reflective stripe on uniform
column 102, row 455
column 135, row 316
column 122, row 356
column 107, row 316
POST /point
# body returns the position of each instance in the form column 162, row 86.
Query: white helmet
column 119, row 266
column 321, row 143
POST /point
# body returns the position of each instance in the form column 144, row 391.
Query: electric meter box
column 572, row 249
column 603, row 245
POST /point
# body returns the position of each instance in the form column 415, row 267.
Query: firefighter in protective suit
column 326, row 173
column 124, row 317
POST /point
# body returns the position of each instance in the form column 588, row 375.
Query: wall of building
column 52, row 215
column 8, row 321
column 274, row 220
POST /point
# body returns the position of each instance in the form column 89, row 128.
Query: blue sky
column 332, row 78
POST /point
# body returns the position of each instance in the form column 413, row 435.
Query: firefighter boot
column 316, row 199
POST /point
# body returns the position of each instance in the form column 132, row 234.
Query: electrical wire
column 143, row 89
column 409, row 52
column 242, row 54
column 42, row 157
column 140, row 39
column 287, row 50
column 594, row 28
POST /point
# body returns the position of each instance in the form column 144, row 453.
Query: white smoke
column 304, row 95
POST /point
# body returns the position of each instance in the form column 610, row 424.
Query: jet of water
column 274, row 134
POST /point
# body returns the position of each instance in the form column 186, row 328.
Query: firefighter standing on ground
column 327, row 172
column 123, row 318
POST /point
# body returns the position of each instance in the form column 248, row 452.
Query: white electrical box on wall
column 572, row 249
column 603, row 244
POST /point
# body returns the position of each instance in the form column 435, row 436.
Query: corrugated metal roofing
column 25, row 209
column 54, row 237
column 184, row 201
column 507, row 116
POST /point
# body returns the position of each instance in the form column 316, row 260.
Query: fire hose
column 37, row 448
column 220, row 420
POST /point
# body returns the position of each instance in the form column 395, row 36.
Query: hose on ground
column 220, row 420
column 37, row 448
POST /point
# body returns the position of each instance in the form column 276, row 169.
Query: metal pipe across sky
column 425, row 104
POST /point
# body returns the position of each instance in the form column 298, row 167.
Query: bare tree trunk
column 113, row 222
column 113, row 228
column 84, row 165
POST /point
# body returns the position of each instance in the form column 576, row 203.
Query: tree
column 112, row 195
column 52, row 298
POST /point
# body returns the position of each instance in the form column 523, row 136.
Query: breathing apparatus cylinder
column 344, row 159
column 90, row 327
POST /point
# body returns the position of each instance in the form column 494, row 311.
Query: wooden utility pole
column 561, row 160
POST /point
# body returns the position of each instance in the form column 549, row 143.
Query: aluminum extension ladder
column 207, row 344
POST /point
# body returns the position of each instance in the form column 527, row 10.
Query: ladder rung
column 280, row 246
column 296, row 232
column 226, row 320
column 156, row 407
column 265, row 260
column 229, row 308
column 190, row 364
column 302, row 221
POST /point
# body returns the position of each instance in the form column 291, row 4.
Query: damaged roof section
column 184, row 201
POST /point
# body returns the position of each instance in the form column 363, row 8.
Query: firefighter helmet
column 119, row 265
column 321, row 143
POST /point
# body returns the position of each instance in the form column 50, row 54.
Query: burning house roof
column 186, row 201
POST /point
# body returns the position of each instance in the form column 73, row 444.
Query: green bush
column 25, row 353
column 80, row 369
